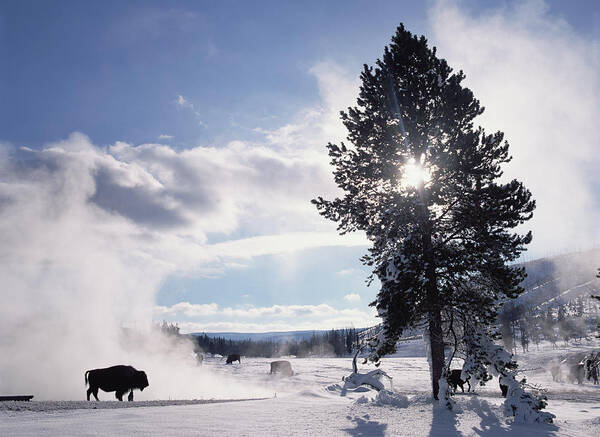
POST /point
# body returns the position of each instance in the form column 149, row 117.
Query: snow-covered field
column 312, row 403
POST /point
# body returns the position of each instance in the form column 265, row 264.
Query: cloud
column 166, row 203
column 539, row 81
column 347, row 272
column 285, row 243
column 88, row 235
column 188, row 309
column 182, row 102
column 352, row 297
column 314, row 127
column 165, row 137
column 259, row 319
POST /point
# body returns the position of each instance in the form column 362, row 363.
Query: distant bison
column 577, row 373
column 556, row 371
column 233, row 357
column 454, row 380
column 503, row 389
column 119, row 379
column 282, row 367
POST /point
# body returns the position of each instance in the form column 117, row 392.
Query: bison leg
column 93, row 391
column 119, row 395
column 469, row 384
column 130, row 397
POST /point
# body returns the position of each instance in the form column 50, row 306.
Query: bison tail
column 86, row 377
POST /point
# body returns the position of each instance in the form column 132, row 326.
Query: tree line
column 522, row 324
column 333, row 343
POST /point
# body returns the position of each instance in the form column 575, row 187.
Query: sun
column 415, row 174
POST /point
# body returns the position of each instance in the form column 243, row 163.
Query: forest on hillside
column 333, row 343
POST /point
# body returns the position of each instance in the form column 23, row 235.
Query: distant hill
column 561, row 278
column 266, row 336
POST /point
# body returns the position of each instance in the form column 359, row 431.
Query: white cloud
column 182, row 102
column 284, row 243
column 187, row 309
column 539, row 81
column 255, row 319
column 165, row 137
column 314, row 127
column 347, row 272
column 352, row 297
column 263, row 326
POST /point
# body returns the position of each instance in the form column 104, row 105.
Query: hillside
column 278, row 337
column 565, row 276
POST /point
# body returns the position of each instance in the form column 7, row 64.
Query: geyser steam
column 73, row 274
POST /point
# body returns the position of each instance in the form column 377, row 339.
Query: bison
column 233, row 357
column 577, row 373
column 119, row 379
column 454, row 380
column 556, row 371
column 282, row 367
column 503, row 389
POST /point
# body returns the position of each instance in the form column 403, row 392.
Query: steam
column 540, row 84
column 76, row 270
column 88, row 234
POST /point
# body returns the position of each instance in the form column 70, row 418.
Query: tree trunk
column 436, row 341
column 436, row 337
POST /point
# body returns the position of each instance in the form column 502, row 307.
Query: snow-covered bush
column 374, row 378
column 386, row 397
column 445, row 394
column 486, row 357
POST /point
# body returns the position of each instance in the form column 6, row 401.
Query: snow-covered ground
column 312, row 403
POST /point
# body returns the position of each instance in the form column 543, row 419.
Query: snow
column 304, row 405
column 376, row 379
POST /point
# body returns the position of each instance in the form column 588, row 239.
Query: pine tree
column 506, row 332
column 579, row 306
column 549, row 315
column 535, row 323
column 421, row 181
column 525, row 330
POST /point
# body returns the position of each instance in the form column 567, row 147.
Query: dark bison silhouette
column 233, row 357
column 577, row 373
column 454, row 380
column 282, row 367
column 119, row 379
column 503, row 389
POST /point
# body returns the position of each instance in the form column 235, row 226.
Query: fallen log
column 16, row 398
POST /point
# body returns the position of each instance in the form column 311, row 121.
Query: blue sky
column 185, row 140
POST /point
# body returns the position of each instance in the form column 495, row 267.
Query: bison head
column 141, row 380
